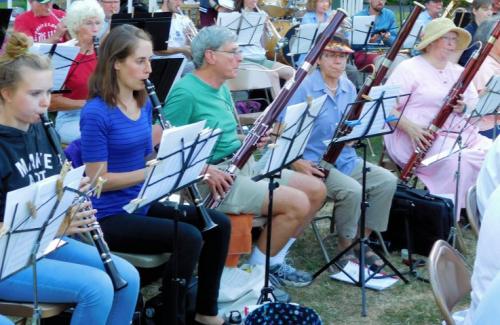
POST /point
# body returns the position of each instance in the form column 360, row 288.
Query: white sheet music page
column 248, row 26
column 201, row 153
column 61, row 60
column 360, row 27
column 16, row 247
column 414, row 35
column 489, row 102
column 380, row 123
column 280, row 153
column 176, row 143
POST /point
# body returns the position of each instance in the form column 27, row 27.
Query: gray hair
column 485, row 29
column 79, row 11
column 209, row 38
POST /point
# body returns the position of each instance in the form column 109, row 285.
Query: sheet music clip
column 98, row 186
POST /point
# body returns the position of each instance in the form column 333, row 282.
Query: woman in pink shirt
column 429, row 77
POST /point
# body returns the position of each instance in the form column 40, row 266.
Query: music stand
column 33, row 215
column 4, row 23
column 362, row 27
column 248, row 26
column 374, row 121
column 156, row 24
column 165, row 71
column 289, row 147
column 304, row 38
column 62, row 57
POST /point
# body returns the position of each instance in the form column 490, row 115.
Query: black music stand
column 374, row 121
column 156, row 24
column 288, row 148
column 4, row 23
column 248, row 26
column 305, row 37
column 177, row 166
column 165, row 71
column 33, row 215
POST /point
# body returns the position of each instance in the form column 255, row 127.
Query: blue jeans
column 5, row 321
column 75, row 274
column 68, row 125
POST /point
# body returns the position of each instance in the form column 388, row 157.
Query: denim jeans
column 75, row 274
column 5, row 321
column 68, row 125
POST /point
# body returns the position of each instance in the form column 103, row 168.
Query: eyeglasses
column 331, row 55
column 235, row 52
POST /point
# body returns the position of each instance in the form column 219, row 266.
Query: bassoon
column 96, row 232
column 192, row 189
column 334, row 148
column 265, row 121
column 450, row 101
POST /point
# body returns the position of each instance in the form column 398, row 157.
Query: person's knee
column 349, row 194
column 98, row 292
column 316, row 190
column 297, row 207
column 192, row 239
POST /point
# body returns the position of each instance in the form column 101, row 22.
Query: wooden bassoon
column 334, row 148
column 458, row 89
column 269, row 116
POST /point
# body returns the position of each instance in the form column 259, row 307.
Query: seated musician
column 257, row 54
column 42, row 23
column 481, row 11
column 74, row 273
column 487, row 262
column 203, row 95
column 343, row 181
column 84, row 19
column 488, row 178
column 110, row 8
column 432, row 11
column 384, row 33
column 429, row 77
column 318, row 11
column 116, row 141
column 489, row 69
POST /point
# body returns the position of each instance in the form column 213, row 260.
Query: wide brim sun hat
column 437, row 28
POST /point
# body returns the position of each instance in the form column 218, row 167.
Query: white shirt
column 178, row 27
column 487, row 264
column 489, row 176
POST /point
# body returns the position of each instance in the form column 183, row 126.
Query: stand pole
column 37, row 312
column 267, row 291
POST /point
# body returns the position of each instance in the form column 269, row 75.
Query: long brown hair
column 117, row 46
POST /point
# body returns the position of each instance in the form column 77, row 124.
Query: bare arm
column 114, row 181
column 60, row 103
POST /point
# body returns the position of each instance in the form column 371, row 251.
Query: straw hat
column 338, row 46
column 437, row 28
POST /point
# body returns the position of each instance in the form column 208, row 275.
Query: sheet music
column 16, row 246
column 439, row 156
column 489, row 102
column 360, row 27
column 280, row 153
column 380, row 123
column 173, row 154
column 61, row 60
column 414, row 35
column 248, row 26
column 303, row 40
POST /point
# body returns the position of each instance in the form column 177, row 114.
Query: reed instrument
column 95, row 43
column 192, row 189
column 96, row 232
column 451, row 99
column 334, row 148
column 269, row 116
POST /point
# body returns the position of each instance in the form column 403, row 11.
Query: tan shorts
column 247, row 196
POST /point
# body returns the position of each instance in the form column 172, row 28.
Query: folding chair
column 25, row 310
column 450, row 278
column 473, row 214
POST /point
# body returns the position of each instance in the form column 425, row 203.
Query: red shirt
column 79, row 75
column 39, row 28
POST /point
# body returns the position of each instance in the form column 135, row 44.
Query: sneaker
column 286, row 275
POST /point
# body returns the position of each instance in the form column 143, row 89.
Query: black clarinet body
column 95, row 43
column 193, row 189
column 96, row 232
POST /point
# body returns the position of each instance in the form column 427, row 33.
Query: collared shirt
column 425, row 18
column 311, row 18
column 330, row 114
column 386, row 21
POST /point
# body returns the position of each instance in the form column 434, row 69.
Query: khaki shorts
column 247, row 196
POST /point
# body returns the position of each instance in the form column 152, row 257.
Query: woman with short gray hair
column 84, row 19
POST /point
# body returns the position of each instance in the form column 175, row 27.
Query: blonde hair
column 311, row 5
column 16, row 57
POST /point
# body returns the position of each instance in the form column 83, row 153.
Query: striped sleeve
column 94, row 132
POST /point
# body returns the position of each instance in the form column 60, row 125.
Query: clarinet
column 95, row 42
column 265, row 121
column 192, row 189
column 96, row 233
column 334, row 149
column 458, row 89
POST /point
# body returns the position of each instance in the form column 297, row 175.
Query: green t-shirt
column 192, row 100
